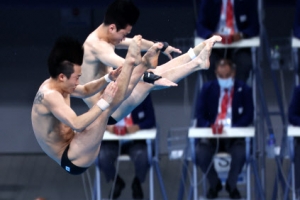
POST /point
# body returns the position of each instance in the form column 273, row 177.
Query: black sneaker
column 233, row 192
column 212, row 192
column 119, row 186
column 137, row 192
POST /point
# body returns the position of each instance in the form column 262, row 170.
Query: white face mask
column 225, row 82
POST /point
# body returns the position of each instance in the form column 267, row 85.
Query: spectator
column 227, row 101
column 233, row 20
column 142, row 117
column 294, row 119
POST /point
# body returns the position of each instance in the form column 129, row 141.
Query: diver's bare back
column 52, row 135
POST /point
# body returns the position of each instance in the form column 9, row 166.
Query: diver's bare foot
column 150, row 58
column 213, row 39
column 134, row 50
column 163, row 83
column 203, row 58
column 197, row 49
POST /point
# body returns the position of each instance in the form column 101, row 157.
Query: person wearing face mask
column 226, row 101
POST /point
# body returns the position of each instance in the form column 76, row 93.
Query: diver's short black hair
column 66, row 52
column 121, row 13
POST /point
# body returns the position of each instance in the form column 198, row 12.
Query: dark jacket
column 208, row 102
column 143, row 114
column 245, row 13
column 294, row 108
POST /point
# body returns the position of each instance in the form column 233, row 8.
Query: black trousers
column 137, row 151
column 297, row 164
column 205, row 150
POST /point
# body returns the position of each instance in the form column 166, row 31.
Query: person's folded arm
column 63, row 112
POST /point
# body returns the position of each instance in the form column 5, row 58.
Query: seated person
column 294, row 111
column 142, row 117
column 227, row 101
column 294, row 119
column 233, row 20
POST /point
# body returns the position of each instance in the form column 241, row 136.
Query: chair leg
column 248, row 182
column 287, row 188
column 160, row 180
column 195, row 188
column 151, row 189
column 98, row 183
column 183, row 179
